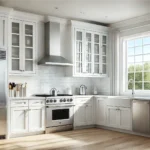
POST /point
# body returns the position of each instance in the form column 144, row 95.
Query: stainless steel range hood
column 52, row 46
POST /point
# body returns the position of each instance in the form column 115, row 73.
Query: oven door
column 59, row 115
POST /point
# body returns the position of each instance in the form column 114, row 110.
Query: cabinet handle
column 20, row 103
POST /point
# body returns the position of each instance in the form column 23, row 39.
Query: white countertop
column 27, row 98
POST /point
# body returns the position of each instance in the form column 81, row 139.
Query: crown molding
column 89, row 26
column 131, row 23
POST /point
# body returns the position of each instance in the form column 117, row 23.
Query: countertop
column 78, row 96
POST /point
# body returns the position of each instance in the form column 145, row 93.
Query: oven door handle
column 59, row 106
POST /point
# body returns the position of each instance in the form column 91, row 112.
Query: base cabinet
column 100, row 113
column 36, row 118
column 19, row 120
column 83, row 114
column 119, row 117
column 112, row 117
column 125, row 118
column 80, row 115
column 27, row 116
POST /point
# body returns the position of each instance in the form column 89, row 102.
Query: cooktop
column 47, row 95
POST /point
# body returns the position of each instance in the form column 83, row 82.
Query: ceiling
column 101, row 11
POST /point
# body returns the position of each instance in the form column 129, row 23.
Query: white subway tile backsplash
column 48, row 77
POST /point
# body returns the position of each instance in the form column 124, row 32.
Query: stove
column 59, row 100
column 59, row 112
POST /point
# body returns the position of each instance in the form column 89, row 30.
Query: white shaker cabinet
column 83, row 112
column 27, row 116
column 112, row 117
column 3, row 32
column 22, row 47
column 36, row 118
column 125, row 118
column 19, row 120
column 80, row 115
column 119, row 117
column 100, row 111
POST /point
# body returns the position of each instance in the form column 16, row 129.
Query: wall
column 131, row 27
column 48, row 77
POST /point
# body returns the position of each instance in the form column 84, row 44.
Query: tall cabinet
column 90, row 51
column 22, row 47
column 3, row 32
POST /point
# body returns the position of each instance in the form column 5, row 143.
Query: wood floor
column 87, row 139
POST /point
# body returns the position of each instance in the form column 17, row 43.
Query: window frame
column 123, row 66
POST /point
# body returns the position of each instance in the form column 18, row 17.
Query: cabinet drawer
column 16, row 103
column 83, row 100
column 36, row 102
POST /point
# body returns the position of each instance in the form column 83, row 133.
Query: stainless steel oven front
column 57, row 115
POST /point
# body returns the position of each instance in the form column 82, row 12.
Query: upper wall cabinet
column 3, row 30
column 22, row 47
column 89, row 52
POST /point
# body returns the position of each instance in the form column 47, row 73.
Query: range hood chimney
column 52, row 46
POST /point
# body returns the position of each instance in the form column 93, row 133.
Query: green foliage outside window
column 141, row 75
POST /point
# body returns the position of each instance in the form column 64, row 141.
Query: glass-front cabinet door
column 79, row 51
column 29, row 47
column 22, row 47
column 96, row 54
column 16, row 51
column 104, row 54
column 88, row 53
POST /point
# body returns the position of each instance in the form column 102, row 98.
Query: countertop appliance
column 3, row 94
column 83, row 90
column 59, row 113
column 141, row 116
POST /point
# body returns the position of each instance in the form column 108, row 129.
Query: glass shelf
column 28, row 65
column 96, row 68
column 15, row 64
column 96, row 38
column 29, row 53
column 15, row 27
column 15, row 52
column 15, row 40
column 28, row 29
column 28, row 41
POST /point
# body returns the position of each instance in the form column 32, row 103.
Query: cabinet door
column 80, row 115
column 97, row 54
column 79, row 51
column 104, row 55
column 2, row 33
column 19, row 120
column 29, row 47
column 125, row 118
column 36, row 118
column 16, row 50
column 112, row 117
column 89, row 114
column 100, row 112
column 88, row 52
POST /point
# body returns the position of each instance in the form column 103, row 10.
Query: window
column 138, row 62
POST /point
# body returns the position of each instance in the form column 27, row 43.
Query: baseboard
column 26, row 134
column 84, row 127
column 122, row 131
column 59, row 129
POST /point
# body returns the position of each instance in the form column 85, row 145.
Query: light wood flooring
column 86, row 139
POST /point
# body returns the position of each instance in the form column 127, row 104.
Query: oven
column 59, row 115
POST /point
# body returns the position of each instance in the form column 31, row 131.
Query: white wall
column 48, row 77
column 131, row 27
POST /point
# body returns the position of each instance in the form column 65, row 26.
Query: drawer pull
column 20, row 103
